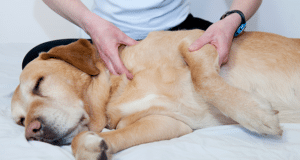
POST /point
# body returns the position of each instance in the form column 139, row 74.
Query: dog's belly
column 191, row 112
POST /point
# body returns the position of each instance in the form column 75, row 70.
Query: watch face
column 240, row 29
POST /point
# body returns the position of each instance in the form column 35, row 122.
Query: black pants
column 189, row 23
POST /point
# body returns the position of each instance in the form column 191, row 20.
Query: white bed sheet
column 223, row 142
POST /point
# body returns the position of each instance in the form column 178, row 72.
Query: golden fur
column 68, row 90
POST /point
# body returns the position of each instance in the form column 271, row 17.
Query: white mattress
column 223, row 142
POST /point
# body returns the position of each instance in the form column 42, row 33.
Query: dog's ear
column 81, row 54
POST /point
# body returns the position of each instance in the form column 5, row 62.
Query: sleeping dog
column 67, row 95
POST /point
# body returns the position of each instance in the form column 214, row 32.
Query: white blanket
column 223, row 142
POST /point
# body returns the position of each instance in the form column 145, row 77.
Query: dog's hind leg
column 89, row 145
column 251, row 111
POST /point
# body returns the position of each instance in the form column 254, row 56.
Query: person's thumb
column 198, row 44
column 223, row 55
column 129, row 42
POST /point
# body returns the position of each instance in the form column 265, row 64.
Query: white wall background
column 31, row 21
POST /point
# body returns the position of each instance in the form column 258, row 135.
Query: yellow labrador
column 68, row 90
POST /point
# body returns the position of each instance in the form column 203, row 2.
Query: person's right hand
column 107, row 38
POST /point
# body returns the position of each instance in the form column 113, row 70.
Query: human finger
column 199, row 43
column 108, row 64
column 118, row 64
column 223, row 50
column 128, row 41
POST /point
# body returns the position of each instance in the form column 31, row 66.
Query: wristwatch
column 242, row 26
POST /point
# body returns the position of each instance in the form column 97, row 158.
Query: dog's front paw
column 258, row 116
column 92, row 147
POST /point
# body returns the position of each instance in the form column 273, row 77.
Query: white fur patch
column 140, row 104
column 91, row 139
column 18, row 111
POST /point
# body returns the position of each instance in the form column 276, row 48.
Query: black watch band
column 242, row 26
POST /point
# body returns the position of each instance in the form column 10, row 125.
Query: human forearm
column 248, row 7
column 73, row 10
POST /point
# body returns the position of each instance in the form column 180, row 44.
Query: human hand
column 220, row 35
column 107, row 38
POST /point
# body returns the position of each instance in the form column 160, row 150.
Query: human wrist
column 88, row 21
column 234, row 19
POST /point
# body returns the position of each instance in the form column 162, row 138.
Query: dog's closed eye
column 36, row 89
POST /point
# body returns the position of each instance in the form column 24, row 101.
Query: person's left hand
column 219, row 34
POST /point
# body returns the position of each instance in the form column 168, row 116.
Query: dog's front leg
column 251, row 111
column 89, row 145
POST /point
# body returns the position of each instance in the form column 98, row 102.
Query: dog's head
column 56, row 98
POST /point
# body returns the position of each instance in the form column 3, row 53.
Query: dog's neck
column 99, row 93
column 97, row 97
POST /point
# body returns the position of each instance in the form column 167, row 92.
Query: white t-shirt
column 136, row 18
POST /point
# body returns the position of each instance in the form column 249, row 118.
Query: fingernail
column 130, row 77
column 192, row 48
